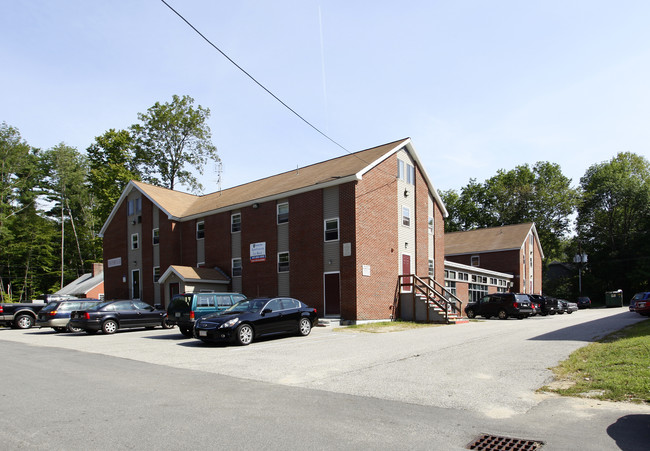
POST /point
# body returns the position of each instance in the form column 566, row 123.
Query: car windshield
column 522, row 298
column 249, row 305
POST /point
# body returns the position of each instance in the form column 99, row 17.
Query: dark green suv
column 184, row 309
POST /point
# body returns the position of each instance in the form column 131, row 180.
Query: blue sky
column 478, row 85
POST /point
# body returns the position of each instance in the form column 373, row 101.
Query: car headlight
column 229, row 323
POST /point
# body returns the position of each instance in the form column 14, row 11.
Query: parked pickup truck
column 21, row 316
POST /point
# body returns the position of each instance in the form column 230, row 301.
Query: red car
column 641, row 303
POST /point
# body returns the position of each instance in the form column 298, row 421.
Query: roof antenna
column 219, row 171
column 297, row 170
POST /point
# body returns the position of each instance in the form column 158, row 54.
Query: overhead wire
column 262, row 86
column 253, row 78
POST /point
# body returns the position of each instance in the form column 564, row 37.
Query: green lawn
column 616, row 368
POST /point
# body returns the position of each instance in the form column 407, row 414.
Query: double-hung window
column 406, row 216
column 236, row 267
column 332, row 229
column 200, row 230
column 283, row 262
column 283, row 213
column 235, row 222
column 135, row 241
column 155, row 236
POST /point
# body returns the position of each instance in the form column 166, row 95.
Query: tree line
column 606, row 217
column 54, row 202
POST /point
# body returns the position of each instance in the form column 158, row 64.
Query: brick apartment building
column 335, row 235
column 513, row 249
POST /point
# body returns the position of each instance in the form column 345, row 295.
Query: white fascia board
column 539, row 243
column 172, row 271
column 125, row 192
column 411, row 150
column 260, row 200
column 475, row 269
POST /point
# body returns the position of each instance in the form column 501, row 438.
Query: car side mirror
column 266, row 310
column 158, row 306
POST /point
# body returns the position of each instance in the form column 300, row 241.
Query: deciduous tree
column 173, row 143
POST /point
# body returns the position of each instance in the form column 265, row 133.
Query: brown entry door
column 406, row 269
column 333, row 294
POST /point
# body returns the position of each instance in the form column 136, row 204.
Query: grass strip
column 615, row 368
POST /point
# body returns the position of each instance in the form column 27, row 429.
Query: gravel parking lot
column 490, row 367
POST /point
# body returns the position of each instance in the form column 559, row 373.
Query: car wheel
column 304, row 327
column 553, row 313
column 570, row 312
column 166, row 325
column 23, row 322
column 471, row 314
column 185, row 331
column 74, row 329
column 502, row 314
column 244, row 334
column 109, row 326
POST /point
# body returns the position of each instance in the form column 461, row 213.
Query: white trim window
column 431, row 225
column 283, row 262
column 406, row 216
column 155, row 236
column 156, row 274
column 135, row 241
column 431, row 267
column 283, row 212
column 200, row 230
column 475, row 260
column 400, row 169
column 331, row 229
column 236, row 267
column 235, row 222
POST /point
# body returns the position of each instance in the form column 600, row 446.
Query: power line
column 253, row 78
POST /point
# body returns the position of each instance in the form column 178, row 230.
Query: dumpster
column 614, row 298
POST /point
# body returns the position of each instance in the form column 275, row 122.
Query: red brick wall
column 115, row 245
column 439, row 244
column 259, row 225
column 169, row 242
column 306, row 247
column 218, row 242
column 376, row 223
column 421, row 225
column 506, row 261
column 537, row 271
column 188, row 243
column 347, row 215
column 147, row 252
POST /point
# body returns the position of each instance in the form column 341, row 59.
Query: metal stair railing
column 430, row 293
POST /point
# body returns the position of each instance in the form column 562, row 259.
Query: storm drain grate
column 497, row 443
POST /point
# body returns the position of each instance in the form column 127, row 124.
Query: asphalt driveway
column 489, row 367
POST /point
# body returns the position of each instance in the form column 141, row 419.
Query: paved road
column 434, row 388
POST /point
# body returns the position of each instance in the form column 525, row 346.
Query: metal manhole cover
column 495, row 442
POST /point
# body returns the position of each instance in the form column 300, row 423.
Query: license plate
column 177, row 314
column 203, row 333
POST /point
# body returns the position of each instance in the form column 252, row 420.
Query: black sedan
column 113, row 315
column 255, row 318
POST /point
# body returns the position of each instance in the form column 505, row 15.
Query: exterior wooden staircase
column 426, row 300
